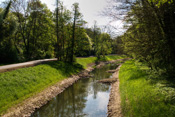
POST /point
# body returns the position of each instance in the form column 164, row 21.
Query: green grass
column 115, row 57
column 142, row 98
column 111, row 57
column 18, row 85
column 85, row 61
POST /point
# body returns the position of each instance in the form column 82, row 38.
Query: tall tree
column 76, row 16
column 3, row 16
column 96, row 33
column 34, row 20
column 57, row 29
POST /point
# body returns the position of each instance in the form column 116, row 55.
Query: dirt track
column 11, row 67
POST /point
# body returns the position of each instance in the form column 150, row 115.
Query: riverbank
column 17, row 86
column 31, row 104
column 114, row 105
column 143, row 93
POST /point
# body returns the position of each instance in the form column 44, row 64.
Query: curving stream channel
column 86, row 98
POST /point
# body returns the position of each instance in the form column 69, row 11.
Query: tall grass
column 140, row 97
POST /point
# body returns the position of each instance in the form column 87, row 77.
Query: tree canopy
column 150, row 33
column 30, row 31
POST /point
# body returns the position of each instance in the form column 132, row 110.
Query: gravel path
column 11, row 67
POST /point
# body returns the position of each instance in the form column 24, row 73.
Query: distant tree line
column 30, row 31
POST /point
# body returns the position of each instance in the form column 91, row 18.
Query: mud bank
column 29, row 105
column 114, row 105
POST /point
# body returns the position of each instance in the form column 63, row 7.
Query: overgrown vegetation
column 149, row 31
column 144, row 95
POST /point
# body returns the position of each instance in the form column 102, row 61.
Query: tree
column 150, row 36
column 8, row 26
column 57, row 29
column 35, row 29
column 77, row 18
column 96, row 35
column 104, row 45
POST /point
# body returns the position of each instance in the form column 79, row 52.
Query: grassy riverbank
column 145, row 96
column 85, row 61
column 20, row 84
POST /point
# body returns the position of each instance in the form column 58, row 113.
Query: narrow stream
column 86, row 98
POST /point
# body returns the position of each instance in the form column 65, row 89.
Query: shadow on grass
column 136, row 74
column 165, row 86
column 163, row 79
column 66, row 68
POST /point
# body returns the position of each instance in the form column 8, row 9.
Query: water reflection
column 86, row 98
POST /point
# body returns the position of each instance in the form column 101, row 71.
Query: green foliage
column 117, row 45
column 31, row 31
column 4, row 13
column 8, row 27
column 140, row 97
column 83, row 43
column 101, row 42
column 150, row 36
column 103, row 45
column 160, row 2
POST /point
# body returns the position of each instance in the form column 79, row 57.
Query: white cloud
column 89, row 8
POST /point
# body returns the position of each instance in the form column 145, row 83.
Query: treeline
column 30, row 31
column 150, row 36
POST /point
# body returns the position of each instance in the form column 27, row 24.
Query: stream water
column 86, row 98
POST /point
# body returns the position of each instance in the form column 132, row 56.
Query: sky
column 89, row 8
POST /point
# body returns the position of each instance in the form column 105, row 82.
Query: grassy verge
column 115, row 57
column 110, row 57
column 17, row 85
column 22, row 83
column 85, row 61
column 141, row 97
